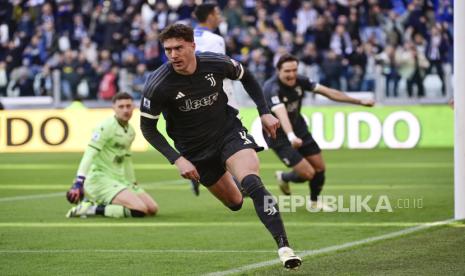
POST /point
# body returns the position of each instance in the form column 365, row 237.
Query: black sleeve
column 235, row 71
column 255, row 92
column 156, row 139
column 307, row 84
column 271, row 93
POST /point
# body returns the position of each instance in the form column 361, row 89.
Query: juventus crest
column 211, row 79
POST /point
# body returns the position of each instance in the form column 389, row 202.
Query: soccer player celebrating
column 294, row 144
column 209, row 139
column 107, row 170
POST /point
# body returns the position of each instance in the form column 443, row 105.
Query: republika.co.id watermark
column 341, row 204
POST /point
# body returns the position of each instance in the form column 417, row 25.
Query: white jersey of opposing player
column 207, row 41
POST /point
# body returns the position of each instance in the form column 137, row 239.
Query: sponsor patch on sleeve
column 146, row 103
column 275, row 100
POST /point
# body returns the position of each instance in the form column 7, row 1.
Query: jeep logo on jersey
column 196, row 104
column 211, row 79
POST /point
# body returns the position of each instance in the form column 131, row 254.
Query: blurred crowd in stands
column 101, row 47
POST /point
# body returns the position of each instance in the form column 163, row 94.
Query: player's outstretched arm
column 340, row 96
column 187, row 169
column 255, row 92
column 156, row 139
column 281, row 112
column 270, row 124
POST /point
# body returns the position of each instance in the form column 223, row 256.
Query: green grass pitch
column 197, row 235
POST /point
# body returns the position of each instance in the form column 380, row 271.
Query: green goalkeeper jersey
column 109, row 151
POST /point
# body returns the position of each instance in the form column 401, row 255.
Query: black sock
column 316, row 185
column 136, row 213
column 270, row 217
column 292, row 176
column 281, row 241
column 100, row 210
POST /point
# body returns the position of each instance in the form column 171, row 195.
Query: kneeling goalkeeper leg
column 112, row 210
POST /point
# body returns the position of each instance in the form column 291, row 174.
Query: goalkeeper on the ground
column 106, row 174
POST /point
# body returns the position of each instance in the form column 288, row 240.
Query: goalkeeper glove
column 76, row 192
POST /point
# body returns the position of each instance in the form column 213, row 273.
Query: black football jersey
column 194, row 106
column 277, row 93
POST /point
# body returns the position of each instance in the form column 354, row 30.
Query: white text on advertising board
column 346, row 130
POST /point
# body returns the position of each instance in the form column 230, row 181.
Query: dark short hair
column 121, row 96
column 203, row 11
column 177, row 31
column 286, row 58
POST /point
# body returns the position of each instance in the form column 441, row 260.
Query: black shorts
column 291, row 156
column 213, row 168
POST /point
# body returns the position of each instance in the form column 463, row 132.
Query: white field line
column 144, row 251
column 241, row 269
column 82, row 223
column 333, row 248
column 162, row 186
column 303, row 253
column 30, row 197
column 410, row 165
column 59, row 194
